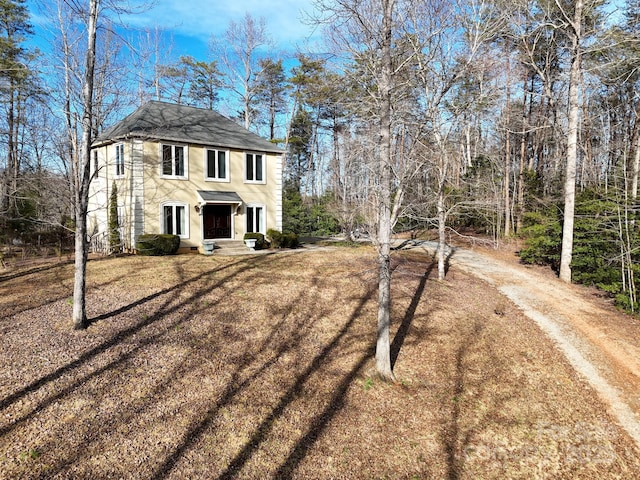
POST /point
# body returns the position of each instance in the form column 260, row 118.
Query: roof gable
column 180, row 123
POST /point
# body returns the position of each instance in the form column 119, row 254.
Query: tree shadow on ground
column 176, row 306
column 58, row 286
column 265, row 428
column 405, row 325
column 322, row 420
column 468, row 389
column 43, row 266
column 120, row 336
column 182, row 309
column 32, row 270
column 454, row 432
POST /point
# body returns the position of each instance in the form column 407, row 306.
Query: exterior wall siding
column 159, row 190
column 98, row 200
column 136, row 203
column 142, row 190
column 278, row 192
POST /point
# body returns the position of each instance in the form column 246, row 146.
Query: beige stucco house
column 186, row 171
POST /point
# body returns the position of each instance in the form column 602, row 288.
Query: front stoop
column 232, row 247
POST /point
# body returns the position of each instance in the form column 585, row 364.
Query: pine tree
column 271, row 92
column 114, row 222
column 14, row 78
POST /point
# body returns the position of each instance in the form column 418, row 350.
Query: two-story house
column 186, row 171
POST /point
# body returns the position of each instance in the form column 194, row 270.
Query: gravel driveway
column 601, row 343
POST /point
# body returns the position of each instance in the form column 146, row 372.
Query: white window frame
column 96, row 163
column 261, row 228
column 216, row 178
column 174, row 205
column 185, row 161
column 263, row 166
column 119, row 161
column 122, row 218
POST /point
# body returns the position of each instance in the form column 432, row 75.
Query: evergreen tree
column 15, row 79
column 204, row 82
column 115, row 242
column 300, row 148
column 271, row 96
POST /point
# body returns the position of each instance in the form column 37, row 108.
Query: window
column 254, row 168
column 255, row 218
column 120, row 160
column 175, row 219
column 216, row 166
column 174, row 162
column 96, row 164
column 121, row 212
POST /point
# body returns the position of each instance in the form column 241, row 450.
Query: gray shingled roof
column 180, row 123
column 216, row 196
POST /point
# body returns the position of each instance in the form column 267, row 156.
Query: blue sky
column 195, row 22
column 192, row 23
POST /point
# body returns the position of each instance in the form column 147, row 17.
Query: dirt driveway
column 601, row 343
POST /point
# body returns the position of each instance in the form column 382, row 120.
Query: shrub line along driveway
column 592, row 336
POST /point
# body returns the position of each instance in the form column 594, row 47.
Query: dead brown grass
column 259, row 367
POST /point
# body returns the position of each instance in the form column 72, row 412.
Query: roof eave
column 161, row 138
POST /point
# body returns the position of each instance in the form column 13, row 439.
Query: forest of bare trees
column 484, row 117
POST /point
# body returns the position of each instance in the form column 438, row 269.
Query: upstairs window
column 216, row 165
column 254, row 168
column 174, row 161
column 96, row 164
column 119, row 160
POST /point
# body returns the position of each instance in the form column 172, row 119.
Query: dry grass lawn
column 260, row 367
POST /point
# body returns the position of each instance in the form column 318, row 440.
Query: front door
column 217, row 221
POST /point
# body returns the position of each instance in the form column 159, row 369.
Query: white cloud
column 191, row 24
column 201, row 19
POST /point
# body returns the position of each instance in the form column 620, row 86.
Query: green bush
column 308, row 216
column 542, row 232
column 158, row 244
column 258, row 237
column 598, row 240
column 275, row 238
column 290, row 240
column 282, row 240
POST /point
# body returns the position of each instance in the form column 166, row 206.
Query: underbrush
column 606, row 246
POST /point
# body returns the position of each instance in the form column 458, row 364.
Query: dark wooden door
column 217, row 221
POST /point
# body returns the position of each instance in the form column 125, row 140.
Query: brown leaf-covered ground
column 260, row 367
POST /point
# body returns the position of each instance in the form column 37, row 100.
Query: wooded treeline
column 485, row 98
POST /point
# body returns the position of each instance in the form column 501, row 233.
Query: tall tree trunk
column 507, row 149
column 636, row 162
column 572, row 147
column 443, row 171
column 523, row 154
column 84, row 173
column 11, row 150
column 383, row 346
column 442, row 224
column 335, row 159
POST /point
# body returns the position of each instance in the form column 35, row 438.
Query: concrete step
column 231, row 247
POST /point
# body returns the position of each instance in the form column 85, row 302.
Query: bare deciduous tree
column 84, row 169
column 239, row 55
column 89, row 91
column 364, row 31
column 574, row 27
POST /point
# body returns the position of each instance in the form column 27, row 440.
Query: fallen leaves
column 256, row 367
